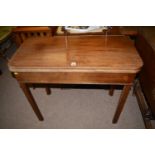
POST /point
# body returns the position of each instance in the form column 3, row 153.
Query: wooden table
column 85, row 60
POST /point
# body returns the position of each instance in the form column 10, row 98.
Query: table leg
column 48, row 90
column 31, row 100
column 111, row 91
column 121, row 102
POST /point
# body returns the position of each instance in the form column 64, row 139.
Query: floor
column 66, row 108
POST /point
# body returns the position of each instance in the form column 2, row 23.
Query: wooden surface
column 31, row 100
column 85, row 60
column 31, row 28
column 129, row 30
column 74, row 77
column 22, row 33
column 147, row 74
column 114, row 54
column 144, row 108
column 121, row 102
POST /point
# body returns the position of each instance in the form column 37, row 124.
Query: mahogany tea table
column 92, row 59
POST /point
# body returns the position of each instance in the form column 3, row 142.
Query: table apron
column 74, row 77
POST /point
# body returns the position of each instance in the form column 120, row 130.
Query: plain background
column 79, row 12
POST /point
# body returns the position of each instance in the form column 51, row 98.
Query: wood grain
column 121, row 102
column 86, row 60
column 31, row 100
column 75, row 77
column 114, row 54
column 31, row 28
column 23, row 32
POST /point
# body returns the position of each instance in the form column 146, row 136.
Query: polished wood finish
column 113, row 54
column 24, row 32
column 85, row 60
column 111, row 91
column 121, row 102
column 129, row 30
column 83, row 77
column 31, row 100
column 48, row 90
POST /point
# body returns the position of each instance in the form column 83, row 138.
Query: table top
column 114, row 54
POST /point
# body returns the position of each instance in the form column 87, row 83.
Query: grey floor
column 64, row 108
